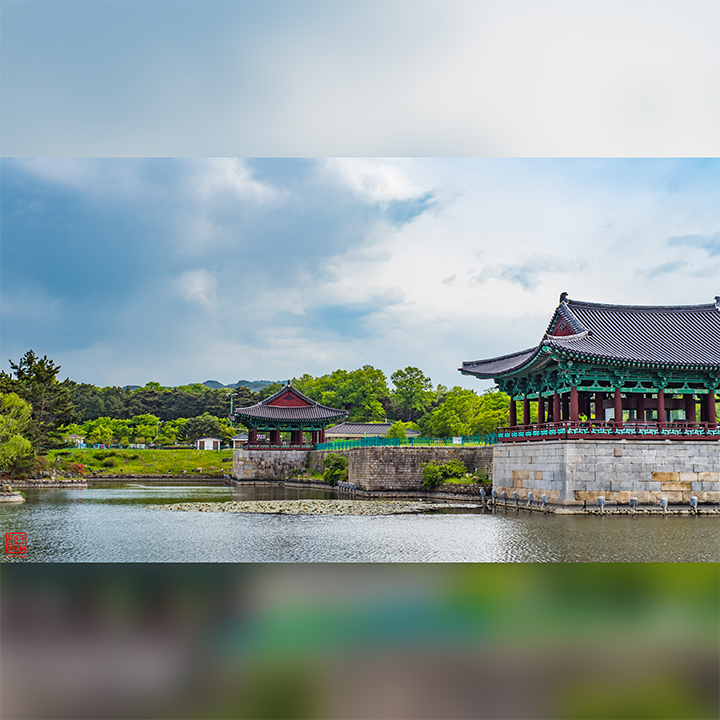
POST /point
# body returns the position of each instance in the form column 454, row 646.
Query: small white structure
column 208, row 443
column 76, row 440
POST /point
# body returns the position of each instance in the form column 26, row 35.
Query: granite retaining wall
column 576, row 472
column 400, row 468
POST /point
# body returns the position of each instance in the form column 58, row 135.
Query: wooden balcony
column 609, row 430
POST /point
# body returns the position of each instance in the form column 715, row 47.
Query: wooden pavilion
column 614, row 371
column 288, row 410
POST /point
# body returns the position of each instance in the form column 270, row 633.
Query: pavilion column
column 640, row 407
column 574, row 407
column 252, row 435
column 541, row 409
column 690, row 411
column 314, row 437
column 513, row 412
column 618, row 407
column 711, row 411
column 661, row 405
column 526, row 410
column 565, row 406
column 557, row 417
column 599, row 407
column 322, row 435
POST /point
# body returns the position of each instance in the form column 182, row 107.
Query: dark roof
column 369, row 429
column 289, row 405
column 677, row 335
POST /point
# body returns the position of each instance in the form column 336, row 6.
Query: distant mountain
column 253, row 385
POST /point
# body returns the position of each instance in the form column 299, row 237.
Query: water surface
column 113, row 523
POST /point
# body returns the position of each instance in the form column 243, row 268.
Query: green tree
column 413, row 391
column 205, row 425
column 15, row 420
column 399, row 429
column 35, row 381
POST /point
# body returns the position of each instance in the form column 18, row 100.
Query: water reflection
column 112, row 522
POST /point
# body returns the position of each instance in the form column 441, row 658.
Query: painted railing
column 599, row 429
column 276, row 446
column 419, row 441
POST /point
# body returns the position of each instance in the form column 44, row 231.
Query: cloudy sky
column 183, row 270
column 143, row 239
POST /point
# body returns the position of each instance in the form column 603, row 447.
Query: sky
column 181, row 270
column 253, row 190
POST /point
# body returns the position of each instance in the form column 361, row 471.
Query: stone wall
column 573, row 472
column 267, row 464
column 400, row 468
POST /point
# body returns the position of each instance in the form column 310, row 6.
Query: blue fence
column 409, row 442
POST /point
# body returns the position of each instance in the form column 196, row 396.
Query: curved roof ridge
column 502, row 357
column 646, row 308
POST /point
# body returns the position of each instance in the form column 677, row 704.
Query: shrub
column 453, row 469
column 336, row 469
column 108, row 462
column 432, row 476
column 77, row 468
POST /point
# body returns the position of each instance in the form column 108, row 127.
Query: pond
column 113, row 522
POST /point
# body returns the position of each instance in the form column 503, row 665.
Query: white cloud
column 231, row 175
column 374, row 181
column 200, row 287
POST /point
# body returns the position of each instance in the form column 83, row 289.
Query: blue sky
column 406, row 211
column 181, row 270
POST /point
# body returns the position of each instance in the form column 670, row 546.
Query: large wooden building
column 613, row 371
column 289, row 411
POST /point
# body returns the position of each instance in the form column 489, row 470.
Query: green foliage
column 361, row 392
column 336, row 469
column 453, row 469
column 432, row 477
column 464, row 413
column 35, row 381
column 434, row 474
column 15, row 419
column 205, row 425
column 399, row 429
column 413, row 391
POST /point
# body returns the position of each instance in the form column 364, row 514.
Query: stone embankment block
column 572, row 472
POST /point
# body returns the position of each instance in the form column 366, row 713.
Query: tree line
column 39, row 411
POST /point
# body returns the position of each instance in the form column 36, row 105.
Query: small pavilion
column 288, row 410
column 613, row 371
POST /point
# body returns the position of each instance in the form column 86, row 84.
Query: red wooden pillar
column 690, row 410
column 252, row 436
column 661, row 405
column 513, row 412
column 574, row 408
column 541, row 409
column 711, row 412
column 322, row 435
column 557, row 417
column 526, row 410
column 599, row 407
column 618, row 408
column 640, row 407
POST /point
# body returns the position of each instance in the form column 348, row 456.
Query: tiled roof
column 369, row 429
column 264, row 410
column 678, row 335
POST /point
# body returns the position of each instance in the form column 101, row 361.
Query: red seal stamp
column 15, row 543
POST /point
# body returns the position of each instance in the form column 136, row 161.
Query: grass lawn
column 147, row 462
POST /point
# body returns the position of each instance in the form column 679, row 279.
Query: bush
column 453, row 469
column 108, row 462
column 432, row 476
column 336, row 469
